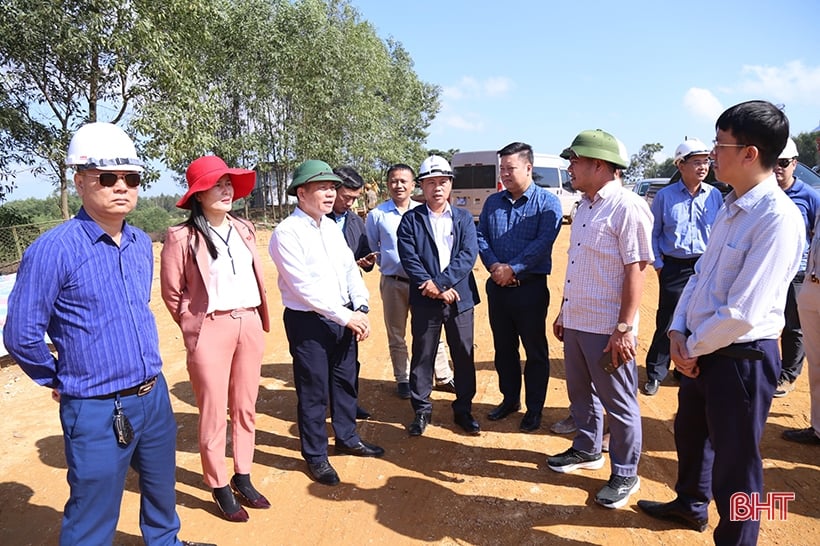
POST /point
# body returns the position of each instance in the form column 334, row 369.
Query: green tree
column 807, row 148
column 68, row 62
column 642, row 163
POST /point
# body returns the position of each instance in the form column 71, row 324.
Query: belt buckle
column 234, row 314
column 146, row 387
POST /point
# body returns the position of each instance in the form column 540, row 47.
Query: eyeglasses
column 699, row 162
column 783, row 163
column 717, row 144
column 132, row 180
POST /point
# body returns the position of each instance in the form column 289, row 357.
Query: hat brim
column 242, row 180
column 323, row 177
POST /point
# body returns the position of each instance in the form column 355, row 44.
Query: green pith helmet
column 597, row 144
column 312, row 170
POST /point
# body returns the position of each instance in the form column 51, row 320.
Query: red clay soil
column 441, row 488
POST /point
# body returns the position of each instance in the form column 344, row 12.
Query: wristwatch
column 624, row 327
column 363, row 309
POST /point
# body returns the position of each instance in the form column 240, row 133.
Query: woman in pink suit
column 211, row 279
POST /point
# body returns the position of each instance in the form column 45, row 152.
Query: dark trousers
column 720, row 419
column 673, row 278
column 425, row 324
column 791, row 340
column 324, row 361
column 520, row 312
column 97, row 467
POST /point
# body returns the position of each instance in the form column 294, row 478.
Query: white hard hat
column 102, row 146
column 789, row 151
column 434, row 165
column 690, row 146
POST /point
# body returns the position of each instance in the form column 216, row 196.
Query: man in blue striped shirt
column 684, row 213
column 87, row 284
column 516, row 230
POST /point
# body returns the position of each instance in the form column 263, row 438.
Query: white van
column 550, row 172
column 476, row 176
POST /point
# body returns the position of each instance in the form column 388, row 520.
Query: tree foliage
column 265, row 84
column 642, row 163
column 808, row 149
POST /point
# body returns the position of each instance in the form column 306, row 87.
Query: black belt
column 140, row 390
column 683, row 261
column 398, row 278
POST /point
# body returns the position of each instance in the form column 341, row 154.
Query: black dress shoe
column 531, row 422
column 362, row 413
column 362, row 449
column 323, row 473
column 247, row 493
column 673, row 511
column 503, row 410
column 419, row 424
column 403, row 390
column 189, row 543
column 466, row 422
column 228, row 506
column 651, row 387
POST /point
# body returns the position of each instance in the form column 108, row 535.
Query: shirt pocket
column 728, row 269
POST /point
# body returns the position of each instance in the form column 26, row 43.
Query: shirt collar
column 749, row 199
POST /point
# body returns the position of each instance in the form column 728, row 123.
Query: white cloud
column 792, row 82
column 469, row 87
column 702, row 104
column 470, row 123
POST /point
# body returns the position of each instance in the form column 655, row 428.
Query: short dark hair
column 350, row 178
column 517, row 148
column 400, row 167
column 757, row 123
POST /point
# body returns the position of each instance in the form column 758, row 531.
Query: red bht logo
column 749, row 506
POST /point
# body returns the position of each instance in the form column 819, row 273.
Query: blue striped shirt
column 521, row 233
column 683, row 221
column 91, row 297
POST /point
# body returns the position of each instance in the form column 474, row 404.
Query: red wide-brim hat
column 205, row 172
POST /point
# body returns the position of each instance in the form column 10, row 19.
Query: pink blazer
column 184, row 276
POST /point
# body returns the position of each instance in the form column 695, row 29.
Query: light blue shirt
column 738, row 291
column 683, row 221
column 381, row 227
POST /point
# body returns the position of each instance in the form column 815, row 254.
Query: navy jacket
column 355, row 235
column 419, row 257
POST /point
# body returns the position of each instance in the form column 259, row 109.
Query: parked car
column 808, row 176
column 650, row 186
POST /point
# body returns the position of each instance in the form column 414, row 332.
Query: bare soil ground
column 442, row 488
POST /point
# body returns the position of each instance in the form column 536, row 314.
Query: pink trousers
column 225, row 369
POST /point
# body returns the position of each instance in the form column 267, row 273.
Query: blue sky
column 541, row 71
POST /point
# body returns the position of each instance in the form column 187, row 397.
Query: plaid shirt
column 609, row 232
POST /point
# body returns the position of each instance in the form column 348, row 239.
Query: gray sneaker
column 573, row 459
column 617, row 490
column 784, row 387
column 564, row 426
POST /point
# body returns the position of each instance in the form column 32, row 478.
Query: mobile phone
column 605, row 362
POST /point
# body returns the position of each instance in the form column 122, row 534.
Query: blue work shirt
column 808, row 201
column 521, row 233
column 91, row 297
column 683, row 221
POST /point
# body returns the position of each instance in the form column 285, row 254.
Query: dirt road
column 442, row 488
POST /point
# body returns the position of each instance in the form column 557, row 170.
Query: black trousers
column 673, row 278
column 324, row 361
column 791, row 339
column 426, row 322
column 520, row 313
column 720, row 420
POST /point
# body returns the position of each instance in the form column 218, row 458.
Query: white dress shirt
column 738, row 291
column 317, row 271
column 442, row 224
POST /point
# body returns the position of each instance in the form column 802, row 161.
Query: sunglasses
column 132, row 180
column 783, row 163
